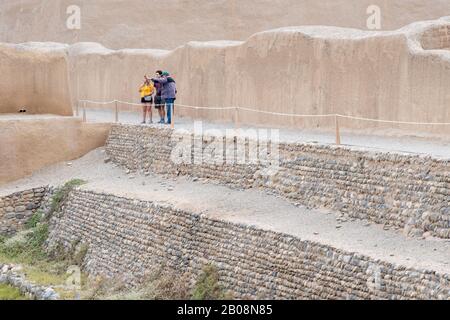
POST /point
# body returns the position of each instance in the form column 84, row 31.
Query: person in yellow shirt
column 146, row 90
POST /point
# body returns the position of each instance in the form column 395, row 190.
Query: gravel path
column 251, row 207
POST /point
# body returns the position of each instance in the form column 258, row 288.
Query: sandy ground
column 251, row 207
column 392, row 141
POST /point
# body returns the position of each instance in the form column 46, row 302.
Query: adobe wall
column 29, row 144
column 398, row 75
column 127, row 237
column 35, row 78
column 169, row 24
column 401, row 191
column 300, row 70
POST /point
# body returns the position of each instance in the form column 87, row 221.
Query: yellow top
column 146, row 90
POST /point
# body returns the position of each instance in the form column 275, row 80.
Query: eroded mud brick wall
column 35, row 79
column 308, row 70
column 127, row 24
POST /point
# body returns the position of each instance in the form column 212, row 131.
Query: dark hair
column 159, row 72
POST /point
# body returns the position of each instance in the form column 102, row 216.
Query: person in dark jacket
column 159, row 103
column 168, row 93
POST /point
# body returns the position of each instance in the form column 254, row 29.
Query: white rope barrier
column 395, row 122
column 275, row 113
column 129, row 103
column 204, row 108
column 98, row 102
column 288, row 114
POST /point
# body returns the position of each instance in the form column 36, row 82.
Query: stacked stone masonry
column 16, row 209
column 437, row 38
column 128, row 237
column 407, row 192
column 16, row 279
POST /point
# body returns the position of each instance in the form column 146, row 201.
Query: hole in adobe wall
column 437, row 38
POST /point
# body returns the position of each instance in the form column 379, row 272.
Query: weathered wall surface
column 127, row 237
column 402, row 75
column 401, row 191
column 16, row 209
column 34, row 78
column 168, row 24
column 28, row 145
column 302, row 70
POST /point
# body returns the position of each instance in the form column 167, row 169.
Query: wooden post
column 172, row 122
column 236, row 118
column 84, row 113
column 338, row 134
column 117, row 111
column 77, row 109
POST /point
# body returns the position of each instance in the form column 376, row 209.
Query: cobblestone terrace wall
column 402, row 191
column 127, row 237
column 16, row 209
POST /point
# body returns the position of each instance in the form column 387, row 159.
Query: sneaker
column 161, row 121
column 150, row 122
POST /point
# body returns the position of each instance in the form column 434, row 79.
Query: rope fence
column 237, row 109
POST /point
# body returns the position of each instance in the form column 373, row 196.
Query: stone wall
column 16, row 209
column 402, row 191
column 127, row 237
column 13, row 276
column 436, row 38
